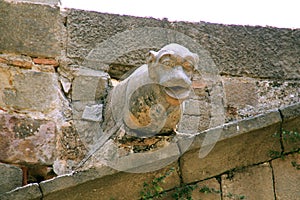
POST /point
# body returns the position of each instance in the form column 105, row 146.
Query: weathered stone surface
column 70, row 145
column 249, row 183
column 291, row 127
column 239, row 127
column 11, row 177
column 240, row 92
column 89, row 132
column 95, row 28
column 236, row 50
column 208, row 190
column 28, row 192
column 192, row 124
column 246, row 50
column 25, row 140
column 5, row 83
column 33, row 91
column 290, row 112
column 97, row 185
column 89, row 85
column 16, row 60
column 47, row 2
column 93, row 113
column 287, row 177
column 35, row 33
column 235, row 151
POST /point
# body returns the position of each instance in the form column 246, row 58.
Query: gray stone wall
column 58, row 66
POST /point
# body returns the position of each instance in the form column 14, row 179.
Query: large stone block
column 10, row 177
column 89, row 85
column 99, row 186
column 30, row 29
column 249, row 183
column 86, row 30
column 33, row 91
column 287, row 177
column 247, row 50
column 26, row 140
column 238, row 144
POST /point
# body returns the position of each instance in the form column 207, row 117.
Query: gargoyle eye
column 168, row 62
column 188, row 66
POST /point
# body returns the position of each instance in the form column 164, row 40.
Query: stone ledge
column 237, row 128
column 84, row 185
column 63, row 182
column 28, row 192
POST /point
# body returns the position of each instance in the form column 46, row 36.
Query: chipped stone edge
column 290, row 112
column 30, row 191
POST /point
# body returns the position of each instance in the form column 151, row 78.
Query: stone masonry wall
column 57, row 68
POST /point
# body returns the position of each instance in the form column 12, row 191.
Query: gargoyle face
column 172, row 67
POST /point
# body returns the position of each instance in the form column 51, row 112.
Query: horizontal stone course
column 115, row 186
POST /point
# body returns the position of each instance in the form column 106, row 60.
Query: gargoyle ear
column 151, row 58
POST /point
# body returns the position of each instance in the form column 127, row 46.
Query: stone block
column 287, row 177
column 93, row 113
column 235, row 50
column 26, row 140
column 34, row 91
column 11, row 177
column 28, row 192
column 89, row 85
column 87, row 110
column 240, row 144
column 291, row 127
column 88, row 131
column 86, row 30
column 250, row 183
column 98, row 185
column 208, row 190
column 265, row 52
column 5, row 83
column 30, row 29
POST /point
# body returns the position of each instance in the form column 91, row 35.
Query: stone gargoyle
column 148, row 102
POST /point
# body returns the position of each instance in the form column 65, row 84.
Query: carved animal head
column 172, row 67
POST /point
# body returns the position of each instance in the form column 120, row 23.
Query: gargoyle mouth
column 178, row 92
